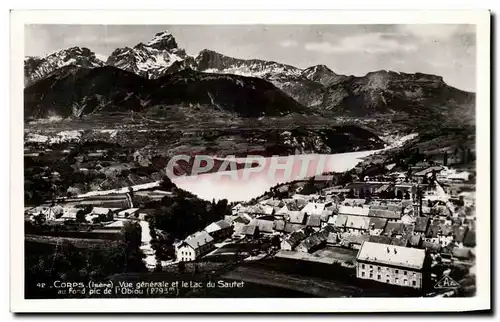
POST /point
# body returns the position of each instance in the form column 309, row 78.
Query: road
column 146, row 248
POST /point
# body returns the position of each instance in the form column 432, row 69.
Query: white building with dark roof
column 396, row 265
column 194, row 246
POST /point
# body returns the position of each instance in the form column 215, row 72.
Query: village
column 394, row 229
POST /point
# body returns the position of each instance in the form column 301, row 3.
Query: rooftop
column 392, row 255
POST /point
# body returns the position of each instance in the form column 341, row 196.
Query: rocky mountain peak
column 37, row 68
column 163, row 41
column 322, row 74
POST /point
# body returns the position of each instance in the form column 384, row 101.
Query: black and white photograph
column 167, row 160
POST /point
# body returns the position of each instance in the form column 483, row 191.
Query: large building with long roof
column 391, row 264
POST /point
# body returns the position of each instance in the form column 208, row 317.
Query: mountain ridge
column 377, row 92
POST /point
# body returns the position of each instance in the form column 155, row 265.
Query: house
column 332, row 239
column 194, row 246
column 275, row 203
column 340, row 221
column 296, row 217
column 394, row 229
column 353, row 241
column 290, row 228
column 314, row 221
column 260, row 210
column 431, row 247
column 421, row 224
column 293, row 240
column 390, row 215
column 408, row 219
column 353, row 211
column 426, row 173
column 380, row 239
column 219, row 230
column 357, row 224
column 325, row 215
column 236, row 209
column 400, row 241
column 313, row 208
column 265, row 226
column 250, row 231
column 403, row 190
column 279, row 225
column 313, row 242
column 127, row 212
column 362, row 188
column 239, row 222
column 395, row 265
column 445, row 235
column 377, row 226
column 441, row 211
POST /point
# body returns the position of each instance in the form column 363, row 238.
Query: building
column 293, row 240
column 250, row 231
column 377, row 226
column 296, row 217
column 390, row 215
column 357, row 225
column 313, row 242
column 394, row 229
column 340, row 221
column 314, row 221
column 395, row 265
column 314, row 208
column 194, row 246
column 279, row 225
column 290, row 228
column 265, row 226
column 219, row 230
column 421, row 224
column 353, row 241
column 405, row 189
column 364, row 189
column 353, row 211
column 325, row 215
column 426, row 173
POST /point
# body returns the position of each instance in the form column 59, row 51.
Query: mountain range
column 74, row 81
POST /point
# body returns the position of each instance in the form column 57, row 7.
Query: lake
column 245, row 184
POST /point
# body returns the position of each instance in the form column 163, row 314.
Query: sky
column 445, row 50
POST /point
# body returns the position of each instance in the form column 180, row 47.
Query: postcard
column 237, row 161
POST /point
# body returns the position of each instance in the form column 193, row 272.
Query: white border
column 480, row 302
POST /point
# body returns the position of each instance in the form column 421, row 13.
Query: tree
column 39, row 219
column 131, row 234
column 80, row 216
